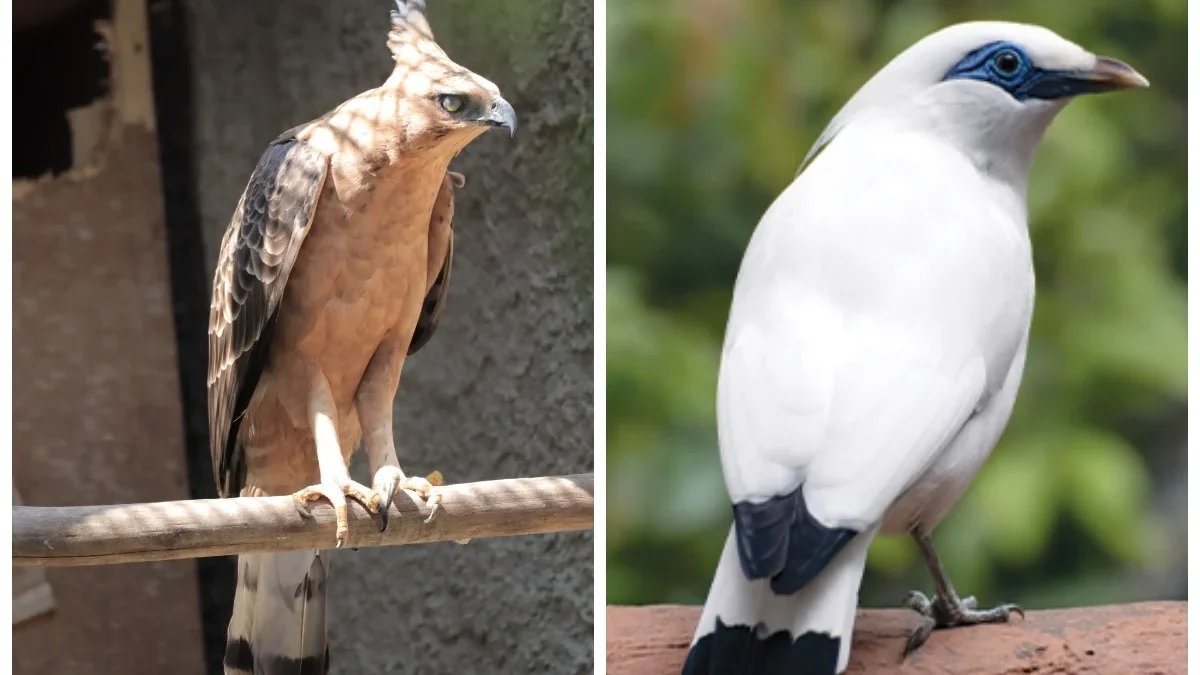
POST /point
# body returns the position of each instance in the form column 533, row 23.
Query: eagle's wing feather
column 257, row 254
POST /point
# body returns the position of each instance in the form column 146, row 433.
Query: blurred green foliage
column 712, row 104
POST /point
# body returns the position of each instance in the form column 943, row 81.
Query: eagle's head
column 453, row 104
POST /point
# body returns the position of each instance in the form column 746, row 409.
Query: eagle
column 333, row 269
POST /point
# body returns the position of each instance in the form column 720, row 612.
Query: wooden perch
column 68, row 536
column 1140, row 639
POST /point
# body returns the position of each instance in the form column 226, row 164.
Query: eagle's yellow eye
column 450, row 103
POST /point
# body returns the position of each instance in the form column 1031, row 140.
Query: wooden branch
column 1138, row 639
column 69, row 536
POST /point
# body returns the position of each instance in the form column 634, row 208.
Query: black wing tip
column 755, row 651
column 427, row 321
column 431, row 307
column 780, row 539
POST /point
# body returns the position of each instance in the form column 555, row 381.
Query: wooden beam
column 68, row 536
column 1137, row 639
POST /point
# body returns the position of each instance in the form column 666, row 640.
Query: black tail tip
column 744, row 650
column 239, row 657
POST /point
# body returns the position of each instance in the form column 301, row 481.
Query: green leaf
column 892, row 555
column 1106, row 484
column 1015, row 498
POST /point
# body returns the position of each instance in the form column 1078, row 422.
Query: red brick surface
column 1136, row 639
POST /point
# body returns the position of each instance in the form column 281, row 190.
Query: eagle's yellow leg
column 376, row 391
column 390, row 479
column 336, row 492
column 335, row 482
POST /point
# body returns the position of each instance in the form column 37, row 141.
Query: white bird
column 876, row 340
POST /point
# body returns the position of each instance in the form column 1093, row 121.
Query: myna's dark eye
column 1007, row 62
column 450, row 103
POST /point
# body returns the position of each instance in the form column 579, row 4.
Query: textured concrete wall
column 505, row 387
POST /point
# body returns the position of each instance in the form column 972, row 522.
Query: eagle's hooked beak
column 501, row 114
column 1112, row 75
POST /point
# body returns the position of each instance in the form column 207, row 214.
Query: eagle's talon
column 421, row 486
column 425, row 490
column 433, row 502
column 301, row 504
column 336, row 492
column 384, row 490
column 387, row 478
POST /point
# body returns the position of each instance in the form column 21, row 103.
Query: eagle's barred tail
column 278, row 625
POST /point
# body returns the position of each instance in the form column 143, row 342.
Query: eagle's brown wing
column 257, row 254
column 441, row 255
